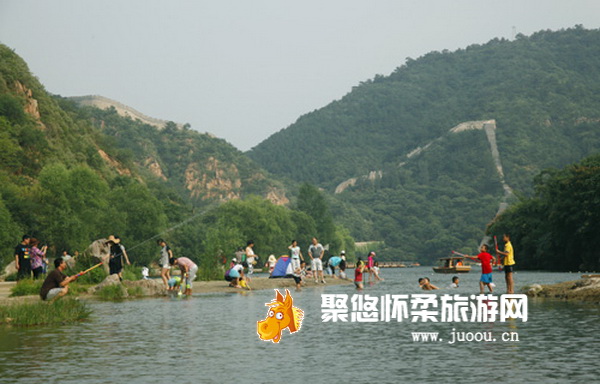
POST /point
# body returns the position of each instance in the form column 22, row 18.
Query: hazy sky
column 245, row 69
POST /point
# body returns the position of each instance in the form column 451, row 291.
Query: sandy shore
column 5, row 287
column 585, row 289
column 257, row 283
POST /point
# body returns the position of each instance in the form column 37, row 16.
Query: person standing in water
column 166, row 255
column 250, row 257
column 188, row 272
column 508, row 263
column 486, row 268
column 296, row 256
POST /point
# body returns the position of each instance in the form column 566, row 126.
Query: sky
column 243, row 70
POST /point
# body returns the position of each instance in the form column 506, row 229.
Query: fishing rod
column 87, row 270
column 173, row 227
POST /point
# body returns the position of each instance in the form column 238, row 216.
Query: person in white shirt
column 316, row 253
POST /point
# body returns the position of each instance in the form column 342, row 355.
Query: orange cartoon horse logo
column 282, row 314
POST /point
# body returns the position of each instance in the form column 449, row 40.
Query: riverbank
column 585, row 289
column 154, row 288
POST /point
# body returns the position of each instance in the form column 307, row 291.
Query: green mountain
column 70, row 174
column 424, row 158
column 203, row 169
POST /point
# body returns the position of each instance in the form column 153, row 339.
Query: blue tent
column 283, row 267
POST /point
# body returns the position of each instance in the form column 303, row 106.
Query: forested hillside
column 70, row 175
column 422, row 189
column 558, row 227
column 202, row 168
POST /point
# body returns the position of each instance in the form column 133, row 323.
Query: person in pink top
column 188, row 272
column 371, row 266
column 37, row 257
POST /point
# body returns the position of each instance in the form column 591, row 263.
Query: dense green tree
column 558, row 227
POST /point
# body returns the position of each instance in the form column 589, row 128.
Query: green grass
column 208, row 274
column 135, row 291
column 114, row 292
column 26, row 287
column 132, row 272
column 62, row 311
column 11, row 277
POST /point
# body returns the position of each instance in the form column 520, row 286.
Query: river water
column 211, row 338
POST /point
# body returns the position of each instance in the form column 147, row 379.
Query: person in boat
column 486, row 268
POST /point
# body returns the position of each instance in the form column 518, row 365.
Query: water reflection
column 212, row 338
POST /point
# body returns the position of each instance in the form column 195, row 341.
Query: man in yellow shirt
column 508, row 261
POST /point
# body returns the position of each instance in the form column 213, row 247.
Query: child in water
column 358, row 274
column 455, row 281
column 426, row 285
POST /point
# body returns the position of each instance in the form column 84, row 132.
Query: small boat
column 452, row 264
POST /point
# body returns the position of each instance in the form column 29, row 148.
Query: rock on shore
column 584, row 289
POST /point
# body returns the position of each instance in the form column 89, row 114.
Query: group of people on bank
column 30, row 260
column 241, row 267
column 182, row 284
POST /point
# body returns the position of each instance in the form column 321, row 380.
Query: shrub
column 115, row 292
column 135, row 291
column 132, row 272
column 26, row 287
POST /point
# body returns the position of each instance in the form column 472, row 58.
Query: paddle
column 87, row 270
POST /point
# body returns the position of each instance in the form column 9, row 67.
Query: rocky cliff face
column 214, row 180
column 201, row 167
column 31, row 104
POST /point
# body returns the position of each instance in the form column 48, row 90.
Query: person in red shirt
column 486, row 268
column 358, row 274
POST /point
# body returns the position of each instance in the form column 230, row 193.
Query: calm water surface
column 212, row 339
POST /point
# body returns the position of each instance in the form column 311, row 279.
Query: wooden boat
column 452, row 264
